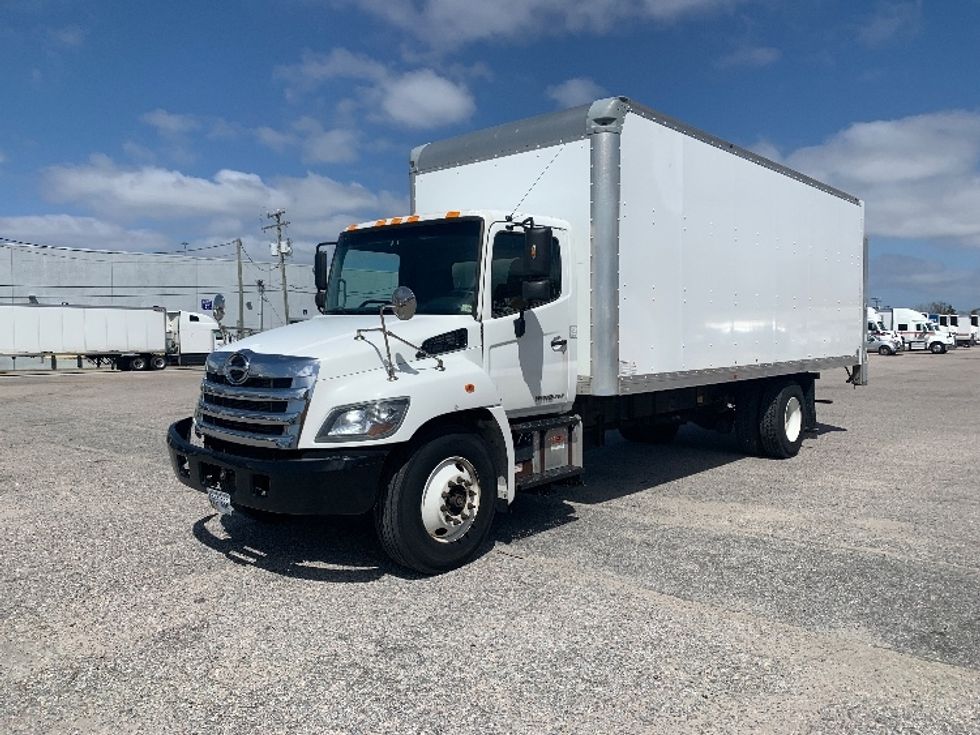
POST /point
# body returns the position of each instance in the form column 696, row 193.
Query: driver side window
column 507, row 274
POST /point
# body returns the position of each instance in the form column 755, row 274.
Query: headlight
column 374, row 420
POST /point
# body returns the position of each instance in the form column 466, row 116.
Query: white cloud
column 316, row 144
column 169, row 123
column 316, row 204
column 919, row 175
column 325, row 146
column 84, row 232
column 575, row 91
column 891, row 21
column 451, row 23
column 421, row 98
column 339, row 63
column 751, row 57
column 154, row 192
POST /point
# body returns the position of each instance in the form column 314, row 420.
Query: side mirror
column 321, row 301
column 321, row 266
column 537, row 252
column 536, row 290
column 218, row 307
column 403, row 303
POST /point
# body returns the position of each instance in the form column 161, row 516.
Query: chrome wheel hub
column 450, row 500
column 793, row 419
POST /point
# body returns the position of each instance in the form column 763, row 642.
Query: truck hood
column 330, row 340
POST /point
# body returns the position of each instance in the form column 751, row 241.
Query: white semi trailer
column 129, row 338
column 605, row 267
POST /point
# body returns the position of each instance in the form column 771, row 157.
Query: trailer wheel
column 885, row 350
column 937, row 348
column 650, row 433
column 781, row 420
column 438, row 506
column 158, row 362
column 137, row 363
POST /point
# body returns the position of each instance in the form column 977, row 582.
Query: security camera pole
column 279, row 226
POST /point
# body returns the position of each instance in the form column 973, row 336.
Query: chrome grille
column 263, row 406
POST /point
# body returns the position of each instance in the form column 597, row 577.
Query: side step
column 547, row 450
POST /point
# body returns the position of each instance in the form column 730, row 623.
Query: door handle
column 558, row 344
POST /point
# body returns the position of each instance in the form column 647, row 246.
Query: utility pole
column 279, row 226
column 261, row 286
column 241, row 290
column 877, row 302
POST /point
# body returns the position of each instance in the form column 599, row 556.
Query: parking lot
column 684, row 588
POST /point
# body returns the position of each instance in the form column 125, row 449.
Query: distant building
column 175, row 281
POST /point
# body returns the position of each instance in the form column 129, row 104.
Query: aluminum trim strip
column 254, row 394
column 242, row 437
column 254, row 417
column 711, row 376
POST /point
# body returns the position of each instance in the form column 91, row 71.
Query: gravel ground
column 681, row 589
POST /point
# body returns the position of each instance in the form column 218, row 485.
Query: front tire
column 158, row 362
column 781, row 421
column 937, row 348
column 438, row 507
column 885, row 350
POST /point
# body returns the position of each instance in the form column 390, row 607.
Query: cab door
column 534, row 373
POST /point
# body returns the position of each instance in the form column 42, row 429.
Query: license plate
column 220, row 501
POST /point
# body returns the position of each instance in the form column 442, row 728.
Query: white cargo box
column 697, row 261
column 41, row 329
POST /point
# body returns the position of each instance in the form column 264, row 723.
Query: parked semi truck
column 129, row 338
column 601, row 268
column 917, row 331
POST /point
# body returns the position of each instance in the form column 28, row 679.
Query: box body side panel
column 726, row 263
column 563, row 191
column 73, row 330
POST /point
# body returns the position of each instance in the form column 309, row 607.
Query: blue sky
column 137, row 125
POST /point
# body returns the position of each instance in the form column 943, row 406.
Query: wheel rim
column 450, row 500
column 793, row 419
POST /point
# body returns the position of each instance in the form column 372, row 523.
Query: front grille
column 253, row 382
column 265, row 410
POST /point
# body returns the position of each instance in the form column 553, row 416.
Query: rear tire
column 438, row 507
column 650, row 434
column 158, row 362
column 137, row 363
column 781, row 420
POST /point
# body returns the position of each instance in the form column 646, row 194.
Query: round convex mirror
column 403, row 303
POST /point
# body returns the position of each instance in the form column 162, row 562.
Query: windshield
column 437, row 260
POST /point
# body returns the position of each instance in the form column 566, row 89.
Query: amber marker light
column 351, row 227
column 412, row 218
column 396, row 220
column 452, row 214
column 380, row 223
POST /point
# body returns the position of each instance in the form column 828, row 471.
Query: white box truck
column 605, row 267
column 958, row 326
column 129, row 338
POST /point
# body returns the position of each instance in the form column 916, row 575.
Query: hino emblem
column 236, row 368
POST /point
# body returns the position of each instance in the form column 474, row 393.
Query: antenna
column 543, row 172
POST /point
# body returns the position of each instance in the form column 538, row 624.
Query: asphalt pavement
column 684, row 588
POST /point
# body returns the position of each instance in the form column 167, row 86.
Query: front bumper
column 310, row 482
